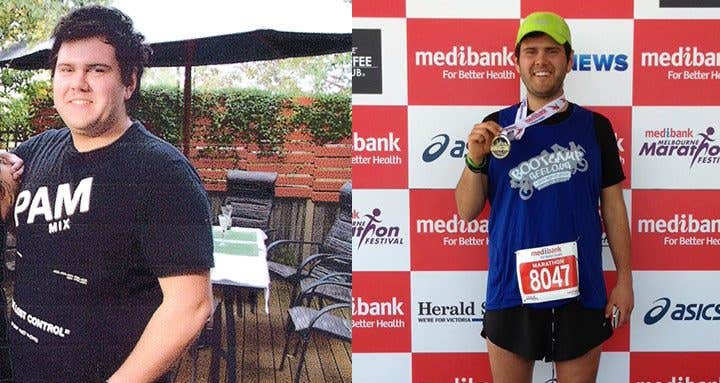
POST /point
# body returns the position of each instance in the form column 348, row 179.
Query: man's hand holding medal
column 480, row 141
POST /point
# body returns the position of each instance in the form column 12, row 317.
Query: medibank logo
column 465, row 55
column 375, row 147
column 674, row 366
column 389, row 314
column 678, row 62
column 682, row 57
column 453, row 225
column 461, row 62
column 679, row 223
column 380, row 146
column 440, row 239
column 392, row 307
column 390, row 143
column 675, row 230
column 669, row 133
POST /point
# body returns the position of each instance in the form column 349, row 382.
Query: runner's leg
column 582, row 369
column 508, row 367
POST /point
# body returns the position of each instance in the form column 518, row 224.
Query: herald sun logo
column 461, row 312
column 700, row 148
column 57, row 215
column 682, row 311
column 584, row 62
column 440, row 145
column 369, row 229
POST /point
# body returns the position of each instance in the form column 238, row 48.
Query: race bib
column 548, row 273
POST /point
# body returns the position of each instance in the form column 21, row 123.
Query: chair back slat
column 339, row 238
column 251, row 195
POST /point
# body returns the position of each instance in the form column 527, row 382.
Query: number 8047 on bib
column 549, row 278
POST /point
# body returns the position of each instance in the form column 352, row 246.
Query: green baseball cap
column 546, row 22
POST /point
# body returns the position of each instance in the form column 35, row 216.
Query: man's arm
column 612, row 207
column 186, row 306
column 470, row 194
column 471, row 190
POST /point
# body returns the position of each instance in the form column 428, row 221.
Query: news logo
column 600, row 62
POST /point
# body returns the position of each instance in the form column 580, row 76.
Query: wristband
column 475, row 168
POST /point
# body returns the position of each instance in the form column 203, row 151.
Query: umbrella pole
column 187, row 97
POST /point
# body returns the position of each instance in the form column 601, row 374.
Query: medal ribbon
column 522, row 120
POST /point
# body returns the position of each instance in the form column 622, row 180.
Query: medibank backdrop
column 424, row 73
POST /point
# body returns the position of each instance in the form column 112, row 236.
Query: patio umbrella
column 215, row 32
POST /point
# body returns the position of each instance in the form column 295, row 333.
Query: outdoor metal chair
column 334, row 252
column 304, row 319
column 251, row 195
column 317, row 272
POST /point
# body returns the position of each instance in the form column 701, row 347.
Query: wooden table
column 240, row 265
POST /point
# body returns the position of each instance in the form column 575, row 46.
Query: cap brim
column 558, row 38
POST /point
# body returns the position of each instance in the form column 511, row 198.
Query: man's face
column 87, row 87
column 542, row 65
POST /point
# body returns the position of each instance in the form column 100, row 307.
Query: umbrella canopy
column 225, row 49
column 220, row 32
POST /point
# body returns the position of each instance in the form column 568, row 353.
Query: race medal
column 500, row 146
column 548, row 273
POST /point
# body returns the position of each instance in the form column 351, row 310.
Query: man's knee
column 582, row 369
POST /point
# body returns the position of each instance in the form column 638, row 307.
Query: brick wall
column 306, row 170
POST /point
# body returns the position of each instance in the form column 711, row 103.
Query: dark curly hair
column 116, row 28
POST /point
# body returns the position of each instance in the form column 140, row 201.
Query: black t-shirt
column 95, row 231
column 612, row 172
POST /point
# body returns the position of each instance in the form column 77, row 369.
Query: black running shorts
column 558, row 334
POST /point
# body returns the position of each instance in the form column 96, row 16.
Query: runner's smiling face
column 542, row 65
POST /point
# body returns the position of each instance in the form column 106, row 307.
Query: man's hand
column 16, row 164
column 480, row 138
column 621, row 298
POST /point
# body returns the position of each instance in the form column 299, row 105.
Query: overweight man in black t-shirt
column 113, row 224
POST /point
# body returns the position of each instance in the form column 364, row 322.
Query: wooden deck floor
column 260, row 342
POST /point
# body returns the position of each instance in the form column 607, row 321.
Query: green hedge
column 250, row 116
